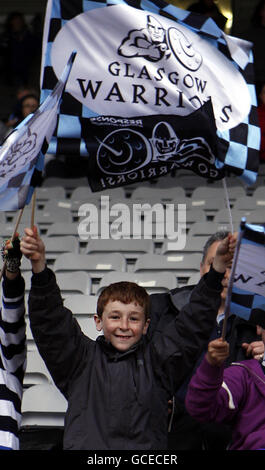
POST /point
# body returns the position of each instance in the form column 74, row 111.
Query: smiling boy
column 122, row 314
column 118, row 386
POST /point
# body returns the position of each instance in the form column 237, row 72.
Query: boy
column 234, row 395
column 118, row 387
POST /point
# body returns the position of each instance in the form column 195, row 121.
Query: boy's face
column 123, row 324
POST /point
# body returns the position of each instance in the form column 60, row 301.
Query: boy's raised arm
column 180, row 343
column 57, row 333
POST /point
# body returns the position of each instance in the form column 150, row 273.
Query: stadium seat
column 194, row 279
column 71, row 282
column 57, row 204
column 153, row 282
column 95, row 264
column 206, row 192
column 36, row 370
column 154, row 202
column 222, row 216
column 207, row 228
column 208, row 204
column 130, row 248
column 195, row 215
column 7, row 229
column 182, row 265
column 81, row 304
column 88, row 326
column 45, row 217
column 2, row 218
column 58, row 245
column 194, row 244
column 147, row 193
column 54, row 193
column 256, row 217
column 249, row 203
column 30, row 342
column 43, row 405
column 84, row 193
column 191, row 215
column 62, row 228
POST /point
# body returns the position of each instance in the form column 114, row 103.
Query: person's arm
column 180, row 343
column 56, row 332
column 215, row 393
column 13, row 327
column 12, row 345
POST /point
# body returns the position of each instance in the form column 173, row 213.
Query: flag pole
column 231, row 279
column 227, row 202
column 33, row 209
column 13, row 238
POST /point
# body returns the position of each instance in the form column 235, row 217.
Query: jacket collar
column 113, row 353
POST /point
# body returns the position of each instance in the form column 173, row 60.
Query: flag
column 154, row 88
column 22, row 153
column 248, row 281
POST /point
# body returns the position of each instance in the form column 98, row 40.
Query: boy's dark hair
column 216, row 237
column 125, row 292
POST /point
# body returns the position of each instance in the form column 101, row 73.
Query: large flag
column 154, row 88
column 248, row 280
column 22, row 153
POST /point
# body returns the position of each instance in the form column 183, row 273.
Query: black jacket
column 166, row 306
column 119, row 400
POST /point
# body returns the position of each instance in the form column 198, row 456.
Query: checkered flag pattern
column 248, row 291
column 240, row 145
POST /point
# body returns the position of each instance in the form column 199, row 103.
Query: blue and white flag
column 154, row 88
column 22, row 153
column 248, row 282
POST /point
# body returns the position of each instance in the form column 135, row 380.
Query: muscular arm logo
column 149, row 42
column 154, row 42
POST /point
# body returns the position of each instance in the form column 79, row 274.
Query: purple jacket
column 236, row 396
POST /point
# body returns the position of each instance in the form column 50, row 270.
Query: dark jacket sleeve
column 178, row 344
column 57, row 333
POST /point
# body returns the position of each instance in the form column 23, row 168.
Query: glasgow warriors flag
column 154, row 88
column 22, row 153
column 248, row 291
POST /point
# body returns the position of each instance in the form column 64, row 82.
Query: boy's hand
column 218, row 351
column 224, row 253
column 33, row 248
